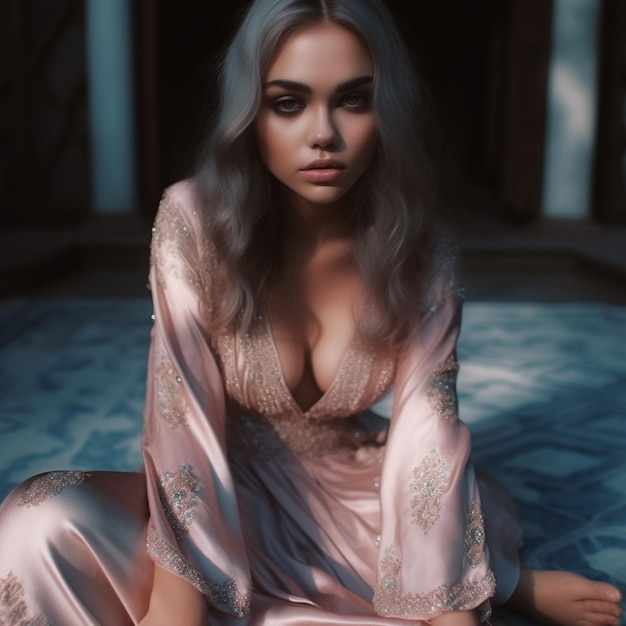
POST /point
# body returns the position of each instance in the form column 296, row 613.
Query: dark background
column 484, row 61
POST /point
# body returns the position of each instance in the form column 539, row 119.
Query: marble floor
column 543, row 387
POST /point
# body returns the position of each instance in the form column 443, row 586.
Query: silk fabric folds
column 278, row 516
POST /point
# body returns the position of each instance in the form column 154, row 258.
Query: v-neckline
column 283, row 381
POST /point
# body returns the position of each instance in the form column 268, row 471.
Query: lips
column 322, row 170
column 321, row 175
column 324, row 164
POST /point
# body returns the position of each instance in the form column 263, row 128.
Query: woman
column 296, row 283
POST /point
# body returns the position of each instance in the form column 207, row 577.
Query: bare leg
column 174, row 601
column 566, row 599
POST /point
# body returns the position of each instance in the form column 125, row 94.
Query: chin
column 328, row 196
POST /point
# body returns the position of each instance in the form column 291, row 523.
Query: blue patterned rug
column 543, row 387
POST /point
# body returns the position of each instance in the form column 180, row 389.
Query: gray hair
column 387, row 205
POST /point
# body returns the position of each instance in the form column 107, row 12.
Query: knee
column 41, row 510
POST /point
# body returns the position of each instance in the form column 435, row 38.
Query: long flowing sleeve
column 194, row 529
column 433, row 555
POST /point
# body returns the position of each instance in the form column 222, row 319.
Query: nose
column 324, row 133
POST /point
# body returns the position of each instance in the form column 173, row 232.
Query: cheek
column 273, row 143
column 261, row 135
column 365, row 138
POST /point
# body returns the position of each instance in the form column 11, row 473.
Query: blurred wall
column 485, row 62
column 111, row 99
column 572, row 109
column 44, row 151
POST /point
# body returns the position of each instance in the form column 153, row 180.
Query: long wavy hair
column 387, row 207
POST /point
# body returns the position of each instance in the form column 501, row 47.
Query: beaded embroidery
column 345, row 395
column 346, row 391
column 390, row 601
column 485, row 612
column 474, row 551
column 284, row 437
column 13, row 609
column 171, row 242
column 178, row 495
column 429, row 484
column 224, row 596
column 387, row 375
column 223, row 344
column 50, row 485
column 265, row 374
column 170, row 396
column 446, row 279
column 442, row 391
column 274, row 424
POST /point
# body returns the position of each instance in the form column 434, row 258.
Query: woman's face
column 315, row 128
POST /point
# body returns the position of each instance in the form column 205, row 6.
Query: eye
column 287, row 105
column 355, row 101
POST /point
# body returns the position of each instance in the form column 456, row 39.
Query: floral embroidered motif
column 171, row 242
column 442, row 392
column 13, row 609
column 178, row 495
column 430, row 483
column 224, row 596
column 170, row 396
column 389, row 601
column 474, row 552
column 50, row 485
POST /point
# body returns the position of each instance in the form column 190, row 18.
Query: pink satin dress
column 279, row 516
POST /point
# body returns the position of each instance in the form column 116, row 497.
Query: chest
column 313, row 322
column 254, row 377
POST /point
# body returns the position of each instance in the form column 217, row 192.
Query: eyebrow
column 292, row 85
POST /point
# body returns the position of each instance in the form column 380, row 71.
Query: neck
column 311, row 226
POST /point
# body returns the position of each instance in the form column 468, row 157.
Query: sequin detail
column 178, row 492
column 387, row 375
column 50, row 485
column 289, row 436
column 224, row 596
column 348, row 387
column 446, row 281
column 474, row 551
column 485, row 612
column 265, row 374
column 389, row 601
column 344, row 397
column 171, row 245
column 271, row 424
column 224, row 346
column 13, row 609
column 441, row 394
column 428, row 487
column 170, row 395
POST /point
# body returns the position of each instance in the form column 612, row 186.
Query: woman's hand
column 457, row 618
column 174, row 601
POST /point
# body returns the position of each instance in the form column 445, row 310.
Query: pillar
column 572, row 100
column 111, row 106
